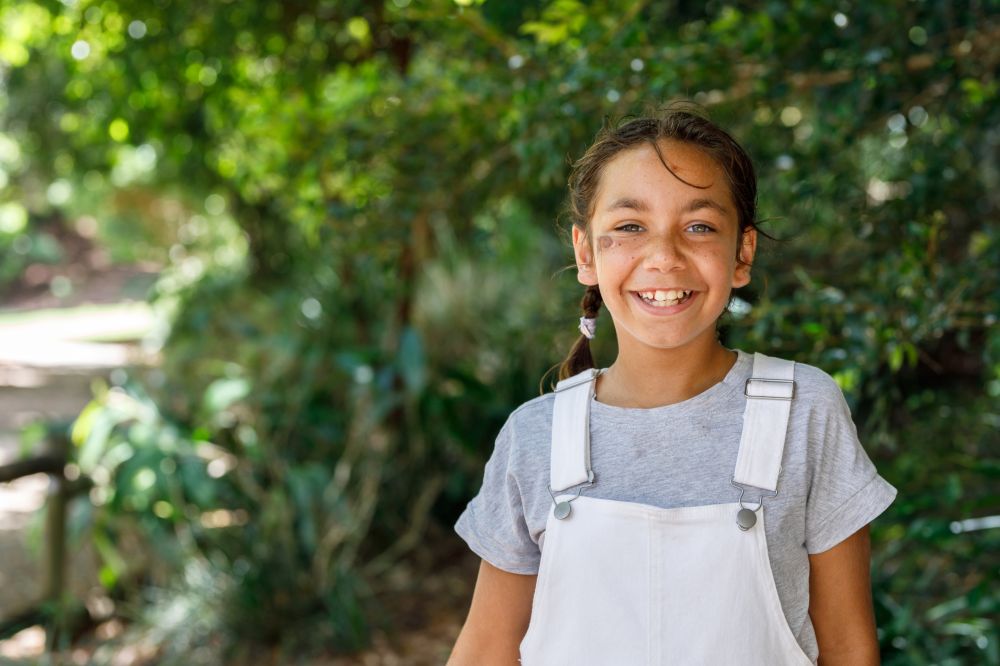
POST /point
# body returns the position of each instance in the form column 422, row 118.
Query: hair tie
column 588, row 326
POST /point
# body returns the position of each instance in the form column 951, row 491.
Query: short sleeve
column 846, row 491
column 493, row 523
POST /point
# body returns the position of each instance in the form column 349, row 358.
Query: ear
column 585, row 270
column 747, row 249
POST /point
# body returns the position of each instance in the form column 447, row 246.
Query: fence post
column 55, row 538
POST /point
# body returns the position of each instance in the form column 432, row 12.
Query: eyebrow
column 641, row 206
column 627, row 202
column 698, row 204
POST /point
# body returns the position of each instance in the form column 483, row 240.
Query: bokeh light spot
column 163, row 509
column 311, row 308
column 357, row 28
column 69, row 122
column 118, row 130
column 917, row 115
column 215, row 204
column 61, row 287
column 59, row 192
column 207, row 76
column 10, row 150
column 136, row 29
column 80, row 49
column 790, row 116
column 13, row 218
column 144, row 479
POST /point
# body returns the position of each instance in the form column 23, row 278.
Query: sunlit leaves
column 23, row 26
column 13, row 218
column 561, row 21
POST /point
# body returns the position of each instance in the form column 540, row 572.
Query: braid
column 580, row 358
column 591, row 301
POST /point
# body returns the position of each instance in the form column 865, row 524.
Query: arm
column 840, row 603
column 498, row 619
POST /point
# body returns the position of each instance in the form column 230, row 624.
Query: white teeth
column 664, row 297
column 664, row 294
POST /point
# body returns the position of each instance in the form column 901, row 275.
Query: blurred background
column 273, row 274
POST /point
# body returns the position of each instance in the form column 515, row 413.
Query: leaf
column 222, row 393
column 114, row 563
column 412, row 360
column 98, row 437
column 560, row 20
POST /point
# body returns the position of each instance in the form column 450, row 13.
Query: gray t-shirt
column 684, row 454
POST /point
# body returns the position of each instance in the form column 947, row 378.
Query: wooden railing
column 52, row 610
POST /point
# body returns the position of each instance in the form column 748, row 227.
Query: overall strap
column 769, row 392
column 570, row 455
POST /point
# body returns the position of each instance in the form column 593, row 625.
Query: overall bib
column 629, row 584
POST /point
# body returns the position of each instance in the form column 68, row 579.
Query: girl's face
column 664, row 252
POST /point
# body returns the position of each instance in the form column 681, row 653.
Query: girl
column 622, row 517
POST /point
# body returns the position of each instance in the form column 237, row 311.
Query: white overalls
column 629, row 584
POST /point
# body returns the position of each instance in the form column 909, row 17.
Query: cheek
column 715, row 253
column 618, row 247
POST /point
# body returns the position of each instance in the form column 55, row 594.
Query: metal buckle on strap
column 562, row 509
column 746, row 517
column 790, row 383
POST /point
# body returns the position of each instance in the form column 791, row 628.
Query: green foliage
column 933, row 587
column 367, row 276
column 267, row 535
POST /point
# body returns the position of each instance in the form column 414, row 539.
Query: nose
column 664, row 252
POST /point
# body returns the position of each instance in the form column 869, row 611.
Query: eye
column 701, row 228
column 628, row 226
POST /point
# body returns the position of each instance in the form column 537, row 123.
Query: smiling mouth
column 664, row 298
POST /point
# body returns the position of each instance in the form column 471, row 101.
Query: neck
column 646, row 377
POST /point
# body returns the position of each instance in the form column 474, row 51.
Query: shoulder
column 531, row 416
column 818, row 403
column 814, row 387
column 527, row 431
column 819, row 408
column 815, row 384
column 536, row 414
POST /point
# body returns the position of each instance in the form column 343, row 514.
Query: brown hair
column 676, row 122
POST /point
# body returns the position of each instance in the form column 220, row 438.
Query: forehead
column 639, row 173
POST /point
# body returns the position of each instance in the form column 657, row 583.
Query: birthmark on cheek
column 617, row 245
